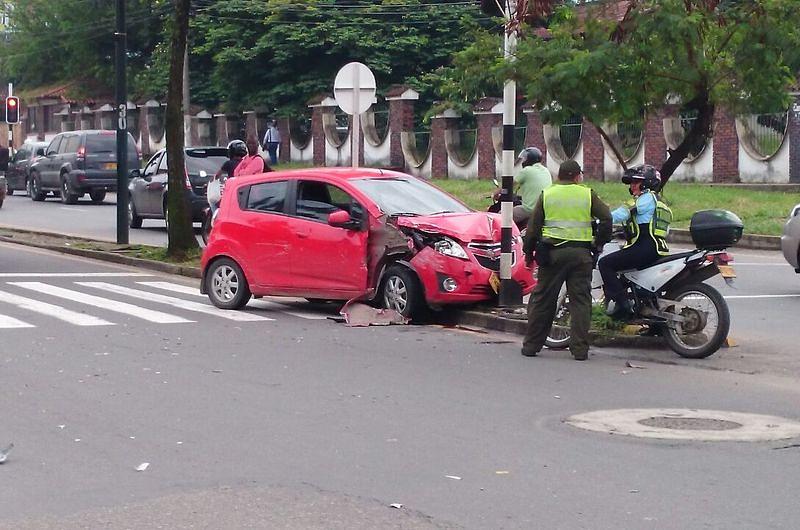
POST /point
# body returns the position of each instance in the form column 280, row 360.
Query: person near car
column 645, row 222
column 561, row 240
column 253, row 163
column 272, row 140
column 237, row 150
column 530, row 182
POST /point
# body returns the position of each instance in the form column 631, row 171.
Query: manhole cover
column 688, row 424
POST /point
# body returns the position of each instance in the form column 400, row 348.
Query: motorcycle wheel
column 559, row 335
column 205, row 231
column 707, row 322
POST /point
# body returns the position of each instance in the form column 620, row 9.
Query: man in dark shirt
column 561, row 239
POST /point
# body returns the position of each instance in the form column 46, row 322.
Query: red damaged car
column 343, row 234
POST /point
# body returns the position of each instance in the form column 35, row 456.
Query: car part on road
column 226, row 285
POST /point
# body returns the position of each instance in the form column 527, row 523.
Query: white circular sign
column 354, row 88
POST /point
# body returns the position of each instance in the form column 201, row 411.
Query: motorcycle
column 670, row 296
column 213, row 195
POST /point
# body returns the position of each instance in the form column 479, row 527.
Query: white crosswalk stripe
column 185, row 289
column 239, row 316
column 102, row 303
column 52, row 310
column 7, row 322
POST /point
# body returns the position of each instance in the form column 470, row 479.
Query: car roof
column 334, row 173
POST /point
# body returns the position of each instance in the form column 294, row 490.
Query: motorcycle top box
column 715, row 229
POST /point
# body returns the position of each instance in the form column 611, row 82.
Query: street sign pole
column 122, row 127
column 354, row 90
column 10, row 125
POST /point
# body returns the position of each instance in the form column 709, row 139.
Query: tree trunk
column 701, row 129
column 181, row 234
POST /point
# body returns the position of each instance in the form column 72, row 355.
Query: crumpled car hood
column 464, row 227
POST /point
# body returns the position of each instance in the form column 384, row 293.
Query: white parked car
column 790, row 240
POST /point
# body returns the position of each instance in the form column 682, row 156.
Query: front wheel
column 705, row 325
column 226, row 285
column 559, row 335
column 401, row 291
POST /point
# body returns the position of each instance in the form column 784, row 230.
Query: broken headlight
column 448, row 247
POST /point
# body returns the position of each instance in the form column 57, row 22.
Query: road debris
column 501, row 472
column 4, row 453
column 362, row 315
column 452, row 477
column 142, row 466
column 633, row 491
column 631, row 365
column 557, row 397
column 396, row 505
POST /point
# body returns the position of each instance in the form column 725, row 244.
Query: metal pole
column 510, row 290
column 122, row 127
column 10, row 126
column 354, row 138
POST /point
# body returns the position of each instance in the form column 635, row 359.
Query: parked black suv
column 148, row 188
column 78, row 162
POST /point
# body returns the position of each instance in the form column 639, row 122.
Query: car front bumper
column 468, row 280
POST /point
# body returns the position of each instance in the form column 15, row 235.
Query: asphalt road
column 300, row 422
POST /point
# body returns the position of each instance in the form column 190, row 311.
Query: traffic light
column 12, row 109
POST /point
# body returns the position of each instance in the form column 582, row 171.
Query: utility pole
column 187, row 114
column 510, row 291
column 122, row 126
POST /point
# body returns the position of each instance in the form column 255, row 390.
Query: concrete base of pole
column 510, row 294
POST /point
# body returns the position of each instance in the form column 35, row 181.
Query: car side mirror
column 135, row 174
column 341, row 219
column 40, row 151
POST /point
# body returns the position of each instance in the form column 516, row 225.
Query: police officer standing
column 561, row 240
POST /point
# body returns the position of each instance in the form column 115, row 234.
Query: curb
column 169, row 268
column 517, row 326
column 748, row 241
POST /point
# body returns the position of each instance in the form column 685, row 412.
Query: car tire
column 9, row 192
column 68, row 196
column 400, row 290
column 226, row 285
column 97, row 196
column 134, row 219
column 35, row 188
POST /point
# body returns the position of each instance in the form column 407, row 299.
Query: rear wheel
column 35, row 188
column 401, row 291
column 705, row 325
column 558, row 338
column 68, row 195
column 97, row 196
column 226, row 285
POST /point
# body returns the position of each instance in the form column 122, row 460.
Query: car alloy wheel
column 67, row 195
column 396, row 294
column 402, row 292
column 226, row 285
column 35, row 190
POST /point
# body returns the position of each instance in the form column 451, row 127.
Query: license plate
column 110, row 165
column 494, row 281
column 726, row 271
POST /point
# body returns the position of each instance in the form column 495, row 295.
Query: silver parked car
column 790, row 240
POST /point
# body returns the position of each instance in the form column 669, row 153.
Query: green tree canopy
column 703, row 54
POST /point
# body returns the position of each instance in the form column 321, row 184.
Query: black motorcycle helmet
column 646, row 174
column 530, row 156
column 237, row 148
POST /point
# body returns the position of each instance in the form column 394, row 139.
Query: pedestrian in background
column 272, row 140
column 561, row 240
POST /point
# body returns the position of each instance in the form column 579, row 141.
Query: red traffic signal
column 12, row 109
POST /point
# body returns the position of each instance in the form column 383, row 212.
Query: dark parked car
column 148, row 190
column 19, row 166
column 78, row 162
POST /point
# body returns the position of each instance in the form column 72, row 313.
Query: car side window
column 53, row 147
column 70, row 144
column 267, row 196
column 20, row 155
column 317, row 200
column 150, row 168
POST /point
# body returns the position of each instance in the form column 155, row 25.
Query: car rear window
column 267, row 196
column 198, row 160
column 107, row 143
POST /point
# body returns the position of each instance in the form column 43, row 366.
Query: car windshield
column 408, row 196
column 199, row 160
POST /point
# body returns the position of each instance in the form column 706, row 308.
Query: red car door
column 264, row 233
column 327, row 261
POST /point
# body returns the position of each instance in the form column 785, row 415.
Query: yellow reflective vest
column 567, row 213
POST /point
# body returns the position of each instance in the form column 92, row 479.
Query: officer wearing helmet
column 645, row 221
column 530, row 182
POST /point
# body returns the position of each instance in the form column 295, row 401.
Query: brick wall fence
column 724, row 159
